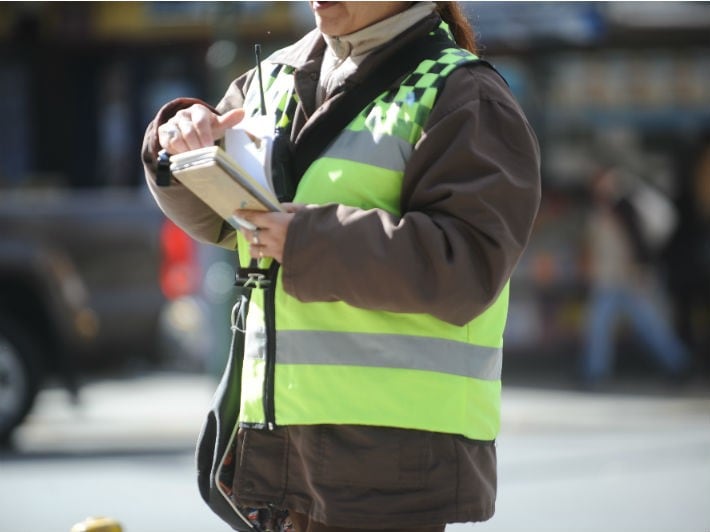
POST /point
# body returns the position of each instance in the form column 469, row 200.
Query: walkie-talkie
column 281, row 148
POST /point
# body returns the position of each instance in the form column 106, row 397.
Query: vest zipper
column 270, row 363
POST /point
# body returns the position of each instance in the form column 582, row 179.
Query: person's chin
column 323, row 6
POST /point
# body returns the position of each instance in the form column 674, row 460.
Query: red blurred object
column 179, row 268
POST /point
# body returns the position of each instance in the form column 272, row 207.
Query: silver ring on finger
column 171, row 132
column 255, row 237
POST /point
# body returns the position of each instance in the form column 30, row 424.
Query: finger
column 258, row 218
column 250, row 236
column 293, row 207
column 166, row 134
column 188, row 133
column 222, row 123
column 230, row 119
column 209, row 125
column 178, row 145
column 257, row 252
column 194, row 125
column 170, row 138
column 257, row 247
column 255, row 237
column 202, row 119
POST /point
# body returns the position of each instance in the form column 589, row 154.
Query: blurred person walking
column 371, row 376
column 620, row 253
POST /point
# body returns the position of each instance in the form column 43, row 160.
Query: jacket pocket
column 260, row 474
column 373, row 457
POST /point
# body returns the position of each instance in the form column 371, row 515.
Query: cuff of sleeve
column 290, row 267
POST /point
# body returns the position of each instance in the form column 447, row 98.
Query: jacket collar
column 307, row 52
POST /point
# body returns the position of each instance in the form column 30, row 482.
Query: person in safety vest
column 363, row 388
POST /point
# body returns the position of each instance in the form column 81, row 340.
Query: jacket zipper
column 270, row 365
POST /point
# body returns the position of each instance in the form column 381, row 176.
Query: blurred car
column 92, row 280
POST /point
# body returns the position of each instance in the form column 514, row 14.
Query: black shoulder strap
column 353, row 100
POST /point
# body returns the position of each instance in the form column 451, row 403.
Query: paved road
column 569, row 461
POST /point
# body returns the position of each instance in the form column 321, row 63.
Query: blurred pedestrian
column 370, row 386
column 621, row 252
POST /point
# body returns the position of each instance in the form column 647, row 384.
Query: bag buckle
column 253, row 278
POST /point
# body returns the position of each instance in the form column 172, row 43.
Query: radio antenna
column 257, row 54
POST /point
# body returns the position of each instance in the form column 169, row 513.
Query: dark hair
column 453, row 15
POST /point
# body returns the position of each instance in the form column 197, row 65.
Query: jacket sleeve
column 176, row 201
column 470, row 193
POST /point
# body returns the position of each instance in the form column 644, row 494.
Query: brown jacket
column 470, row 194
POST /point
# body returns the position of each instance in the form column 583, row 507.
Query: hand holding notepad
column 237, row 177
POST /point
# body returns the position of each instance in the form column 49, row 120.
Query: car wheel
column 19, row 376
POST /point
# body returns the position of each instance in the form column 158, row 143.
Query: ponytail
column 453, row 15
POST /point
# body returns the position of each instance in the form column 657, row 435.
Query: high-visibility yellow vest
column 333, row 363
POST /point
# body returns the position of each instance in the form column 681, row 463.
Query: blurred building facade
column 621, row 82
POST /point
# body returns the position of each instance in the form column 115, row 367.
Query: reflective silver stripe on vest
column 387, row 151
column 389, row 350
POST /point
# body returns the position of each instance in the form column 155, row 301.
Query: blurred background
column 114, row 324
